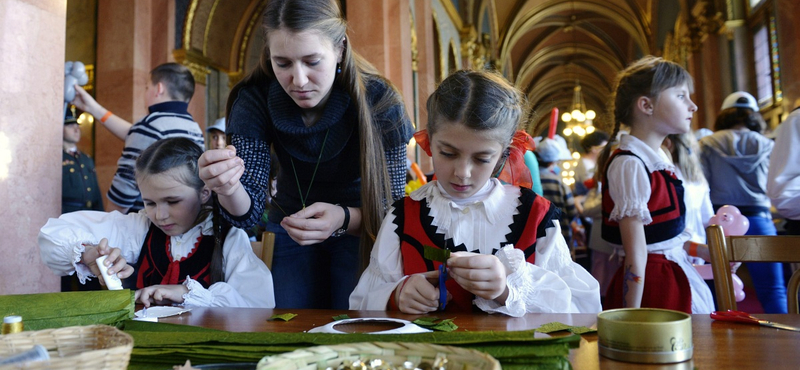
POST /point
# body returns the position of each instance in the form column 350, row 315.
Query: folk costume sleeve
column 631, row 191
column 554, row 283
column 62, row 240
column 385, row 270
column 248, row 281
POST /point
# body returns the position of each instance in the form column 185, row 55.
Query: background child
column 549, row 152
column 683, row 149
column 643, row 205
column 185, row 253
column 168, row 93
column 509, row 255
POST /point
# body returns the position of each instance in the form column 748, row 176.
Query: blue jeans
column 314, row 276
column 767, row 276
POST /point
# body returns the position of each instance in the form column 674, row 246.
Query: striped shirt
column 166, row 120
column 561, row 196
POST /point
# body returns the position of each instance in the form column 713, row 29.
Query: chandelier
column 579, row 120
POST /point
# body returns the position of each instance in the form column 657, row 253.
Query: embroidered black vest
column 155, row 260
column 665, row 205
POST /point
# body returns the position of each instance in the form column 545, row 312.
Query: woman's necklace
column 313, row 175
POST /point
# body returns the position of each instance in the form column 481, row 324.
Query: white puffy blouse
column 248, row 281
column 553, row 284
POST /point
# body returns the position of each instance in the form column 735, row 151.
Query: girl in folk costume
column 643, row 204
column 186, row 254
column 508, row 254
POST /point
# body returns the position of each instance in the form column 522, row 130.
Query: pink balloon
column 731, row 220
column 705, row 271
column 738, row 288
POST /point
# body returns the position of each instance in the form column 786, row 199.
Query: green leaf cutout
column 284, row 317
column 340, row 317
column 435, row 324
column 436, row 254
column 557, row 326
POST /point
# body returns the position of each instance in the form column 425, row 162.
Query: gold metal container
column 646, row 335
column 12, row 324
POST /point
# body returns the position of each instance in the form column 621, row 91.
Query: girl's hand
column 315, row 223
column 419, row 294
column 115, row 262
column 481, row 274
column 221, row 169
column 161, row 294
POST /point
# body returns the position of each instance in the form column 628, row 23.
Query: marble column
column 32, row 60
column 426, row 71
column 381, row 32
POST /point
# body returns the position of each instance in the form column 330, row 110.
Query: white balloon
column 79, row 71
column 69, row 88
column 67, row 67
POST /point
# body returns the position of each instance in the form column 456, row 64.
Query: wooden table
column 717, row 345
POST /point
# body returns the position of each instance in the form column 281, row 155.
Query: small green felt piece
column 284, row 317
column 436, row 254
column 435, row 324
column 340, row 317
column 557, row 326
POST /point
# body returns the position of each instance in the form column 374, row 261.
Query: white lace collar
column 655, row 161
column 490, row 199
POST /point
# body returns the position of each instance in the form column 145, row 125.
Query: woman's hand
column 161, row 294
column 315, row 223
column 221, row 169
column 480, row 274
column 115, row 262
column 419, row 294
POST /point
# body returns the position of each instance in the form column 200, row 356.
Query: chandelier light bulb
column 579, row 131
column 566, row 117
column 567, row 131
column 576, row 155
column 590, row 114
column 576, row 113
column 566, row 165
column 589, row 129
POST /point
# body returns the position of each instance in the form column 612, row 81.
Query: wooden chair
column 750, row 248
column 264, row 248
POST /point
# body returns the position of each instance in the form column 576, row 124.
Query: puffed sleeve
column 554, row 284
column 248, row 281
column 629, row 188
column 62, row 240
column 384, row 272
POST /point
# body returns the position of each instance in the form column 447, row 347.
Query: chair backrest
column 750, row 248
column 264, row 248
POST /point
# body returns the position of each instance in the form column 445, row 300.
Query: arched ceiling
column 547, row 46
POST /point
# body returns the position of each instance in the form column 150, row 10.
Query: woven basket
column 395, row 353
column 73, row 347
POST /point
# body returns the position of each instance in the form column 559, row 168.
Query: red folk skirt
column 665, row 286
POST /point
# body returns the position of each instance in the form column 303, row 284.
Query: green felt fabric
column 159, row 346
column 55, row 310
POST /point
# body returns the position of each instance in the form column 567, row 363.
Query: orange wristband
column 693, row 249
column 105, row 116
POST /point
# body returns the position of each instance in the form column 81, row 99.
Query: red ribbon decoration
column 514, row 171
column 421, row 138
column 553, row 123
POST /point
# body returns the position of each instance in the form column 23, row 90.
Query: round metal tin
column 646, row 335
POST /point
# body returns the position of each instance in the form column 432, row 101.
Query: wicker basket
column 73, row 347
column 395, row 353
